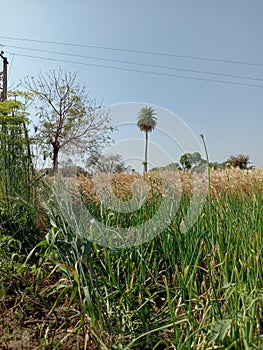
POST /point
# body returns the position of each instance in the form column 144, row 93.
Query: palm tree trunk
column 146, row 153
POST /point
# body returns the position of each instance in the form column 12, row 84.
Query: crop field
column 194, row 288
column 222, row 181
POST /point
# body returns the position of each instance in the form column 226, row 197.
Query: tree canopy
column 238, row 161
column 15, row 156
column 67, row 118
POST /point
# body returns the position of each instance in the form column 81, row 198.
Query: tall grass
column 199, row 289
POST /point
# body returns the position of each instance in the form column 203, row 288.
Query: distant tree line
column 194, row 162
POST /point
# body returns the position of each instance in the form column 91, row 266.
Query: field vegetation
column 88, row 262
column 199, row 289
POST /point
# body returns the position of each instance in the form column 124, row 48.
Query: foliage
column 240, row 161
column 191, row 160
column 196, row 159
column 201, row 289
column 17, row 214
column 146, row 122
column 11, row 262
column 14, row 148
column 68, row 119
column 168, row 167
column 186, row 161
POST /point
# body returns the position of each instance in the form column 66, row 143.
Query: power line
column 138, row 71
column 157, row 53
column 136, row 63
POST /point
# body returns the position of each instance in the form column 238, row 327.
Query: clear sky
column 188, row 38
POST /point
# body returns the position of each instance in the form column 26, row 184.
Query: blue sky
column 192, row 36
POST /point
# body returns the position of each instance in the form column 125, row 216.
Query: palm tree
column 146, row 121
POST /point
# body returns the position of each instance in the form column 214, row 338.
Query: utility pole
column 3, row 77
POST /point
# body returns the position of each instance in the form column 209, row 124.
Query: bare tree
column 108, row 164
column 68, row 119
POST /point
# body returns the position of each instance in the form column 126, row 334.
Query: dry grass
column 236, row 181
column 230, row 181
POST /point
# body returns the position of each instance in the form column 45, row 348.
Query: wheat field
column 229, row 181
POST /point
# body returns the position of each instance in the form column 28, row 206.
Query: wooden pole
column 4, row 78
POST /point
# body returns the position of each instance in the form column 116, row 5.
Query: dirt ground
column 26, row 324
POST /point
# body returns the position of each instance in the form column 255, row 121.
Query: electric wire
column 157, row 53
column 138, row 71
column 135, row 63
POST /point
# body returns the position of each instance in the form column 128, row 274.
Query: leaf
column 70, row 269
column 73, row 294
column 220, row 330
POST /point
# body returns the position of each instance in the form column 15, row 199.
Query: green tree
column 17, row 195
column 196, row 159
column 146, row 122
column 15, row 156
column 186, row 161
column 68, row 119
